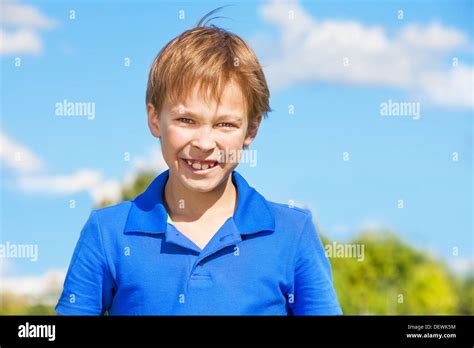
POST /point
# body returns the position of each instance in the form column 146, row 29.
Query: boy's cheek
column 170, row 149
column 174, row 140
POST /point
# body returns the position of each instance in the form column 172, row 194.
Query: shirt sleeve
column 88, row 287
column 314, row 292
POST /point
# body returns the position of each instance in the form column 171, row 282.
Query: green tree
column 13, row 304
column 392, row 278
column 465, row 288
column 132, row 190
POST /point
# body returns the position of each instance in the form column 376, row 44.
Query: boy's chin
column 204, row 185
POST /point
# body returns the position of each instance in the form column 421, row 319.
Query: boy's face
column 199, row 137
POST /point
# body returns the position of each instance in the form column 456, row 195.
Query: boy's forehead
column 231, row 101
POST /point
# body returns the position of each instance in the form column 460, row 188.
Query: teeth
column 201, row 166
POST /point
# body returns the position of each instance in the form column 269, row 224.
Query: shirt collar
column 148, row 213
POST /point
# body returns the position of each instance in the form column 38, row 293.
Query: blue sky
column 300, row 155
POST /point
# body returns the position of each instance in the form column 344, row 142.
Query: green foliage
column 130, row 191
column 393, row 278
column 11, row 304
column 465, row 289
column 139, row 185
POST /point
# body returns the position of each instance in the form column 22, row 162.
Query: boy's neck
column 186, row 205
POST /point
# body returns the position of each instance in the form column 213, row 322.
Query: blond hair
column 210, row 57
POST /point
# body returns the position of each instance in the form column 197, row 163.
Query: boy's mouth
column 200, row 166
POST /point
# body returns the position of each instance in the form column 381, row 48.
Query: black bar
column 347, row 330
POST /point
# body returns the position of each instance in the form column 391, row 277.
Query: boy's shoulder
column 116, row 212
column 289, row 212
column 290, row 221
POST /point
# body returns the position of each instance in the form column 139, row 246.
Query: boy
column 200, row 240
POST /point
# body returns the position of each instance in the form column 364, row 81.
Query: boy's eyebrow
column 177, row 112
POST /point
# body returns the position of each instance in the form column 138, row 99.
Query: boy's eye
column 185, row 120
column 226, row 124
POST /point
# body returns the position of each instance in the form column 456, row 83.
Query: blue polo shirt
column 266, row 259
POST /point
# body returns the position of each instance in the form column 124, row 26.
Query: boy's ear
column 252, row 131
column 153, row 120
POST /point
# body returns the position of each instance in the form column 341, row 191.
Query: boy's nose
column 203, row 140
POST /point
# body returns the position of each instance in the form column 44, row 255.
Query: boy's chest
column 200, row 232
column 246, row 277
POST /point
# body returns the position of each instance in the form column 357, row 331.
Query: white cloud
column 462, row 265
column 81, row 180
column 434, row 36
column 6, row 267
column 44, row 287
column 153, row 161
column 15, row 14
column 17, row 156
column 372, row 225
column 453, row 88
column 106, row 190
column 22, row 24
column 23, row 41
column 414, row 59
column 27, row 168
column 111, row 190
column 27, row 172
